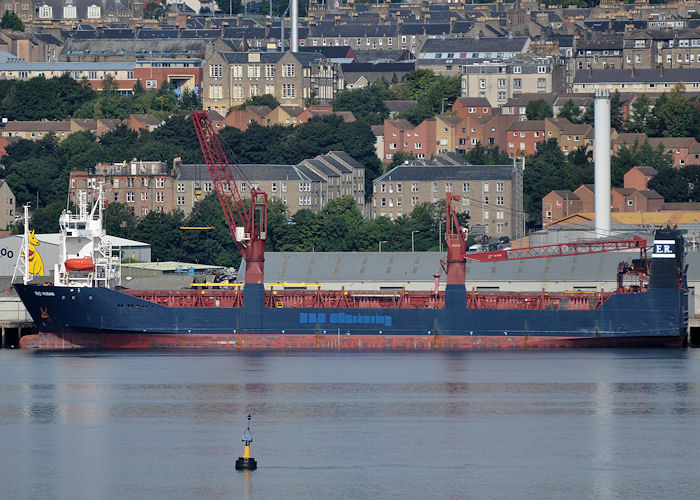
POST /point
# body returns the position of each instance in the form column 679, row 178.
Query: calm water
column 562, row 424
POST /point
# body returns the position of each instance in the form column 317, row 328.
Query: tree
column 676, row 116
column 480, row 155
column 401, row 157
column 539, row 109
column 641, row 118
column 261, row 100
column 570, row 111
column 230, row 6
column 366, row 103
column 616, row 108
column 11, row 21
column 109, row 84
column 547, row 170
column 155, row 10
column 120, row 220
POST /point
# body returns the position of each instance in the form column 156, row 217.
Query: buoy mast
column 246, row 462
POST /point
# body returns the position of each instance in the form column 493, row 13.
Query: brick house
column 638, row 177
column 472, row 106
column 558, row 204
column 678, row 146
column 241, row 118
column 522, row 137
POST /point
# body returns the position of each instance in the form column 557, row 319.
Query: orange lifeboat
column 80, row 264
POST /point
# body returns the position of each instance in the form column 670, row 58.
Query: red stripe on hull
column 329, row 342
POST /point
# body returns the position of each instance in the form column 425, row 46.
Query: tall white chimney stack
column 295, row 26
column 601, row 158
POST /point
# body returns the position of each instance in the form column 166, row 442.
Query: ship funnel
column 601, row 157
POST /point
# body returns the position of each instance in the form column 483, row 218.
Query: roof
column 524, row 99
column 672, row 142
column 662, row 75
column 527, row 125
column 400, row 124
column 646, row 170
column 193, row 172
column 412, row 172
column 565, row 194
column 474, row 45
column 474, row 101
column 37, row 126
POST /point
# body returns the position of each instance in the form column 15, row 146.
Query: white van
column 476, row 248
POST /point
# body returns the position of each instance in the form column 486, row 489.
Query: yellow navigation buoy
column 246, row 462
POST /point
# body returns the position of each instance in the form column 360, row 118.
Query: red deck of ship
column 372, row 300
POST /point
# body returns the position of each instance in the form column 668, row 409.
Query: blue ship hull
column 105, row 318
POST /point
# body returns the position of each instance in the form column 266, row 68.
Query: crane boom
column 248, row 226
column 559, row 250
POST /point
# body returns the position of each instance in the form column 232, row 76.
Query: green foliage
column 571, row 112
column 676, row 116
column 366, row 104
column 642, row 119
column 644, row 154
column 261, row 100
column 229, row 6
column 546, row 170
column 616, row 107
column 481, row 155
column 539, row 109
column 120, row 220
column 155, row 10
column 42, row 99
column 401, row 157
column 11, row 21
column 432, row 92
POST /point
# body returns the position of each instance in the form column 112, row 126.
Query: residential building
column 232, row 77
column 636, row 80
column 143, row 186
column 679, row 147
column 449, row 56
column 310, row 184
column 652, row 48
column 34, row 130
column 638, row 177
column 147, row 122
column 558, row 204
column 491, row 195
column 499, row 81
column 569, row 136
column 472, row 106
column 632, row 200
column 8, row 209
column 241, row 118
column 401, row 135
column 599, row 53
column 522, row 137
column 95, row 73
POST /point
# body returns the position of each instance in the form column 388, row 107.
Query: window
column 253, row 71
column 501, row 96
column 414, row 201
column 274, row 187
column 499, row 200
column 160, row 197
column 482, row 83
column 237, row 70
column 499, row 214
column 160, row 182
column 499, row 227
column 180, row 187
column 69, row 12
column 414, row 187
column 238, row 92
column 284, row 187
column 486, row 214
column 541, row 69
column 45, row 12
column 116, row 197
column 417, row 145
column 517, row 69
column 130, row 198
column 288, row 91
column 269, row 71
column 216, row 91
column 465, row 187
column 253, row 90
column 93, row 12
column 501, row 83
column 144, row 196
column 215, row 71
column 180, row 201
column 392, row 145
column 541, row 83
column 499, row 187
column 288, row 70
column 448, row 187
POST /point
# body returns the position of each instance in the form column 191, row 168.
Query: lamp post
column 413, row 246
column 440, row 223
column 380, row 244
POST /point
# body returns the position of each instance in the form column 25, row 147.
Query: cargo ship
column 85, row 307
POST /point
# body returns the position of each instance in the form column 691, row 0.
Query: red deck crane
column 248, row 225
column 455, row 236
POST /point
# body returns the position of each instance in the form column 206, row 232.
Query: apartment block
column 491, row 195
column 498, row 81
column 143, row 186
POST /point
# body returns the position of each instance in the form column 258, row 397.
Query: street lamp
column 413, row 247
column 380, row 244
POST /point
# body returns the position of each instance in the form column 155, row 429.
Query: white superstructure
column 85, row 255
